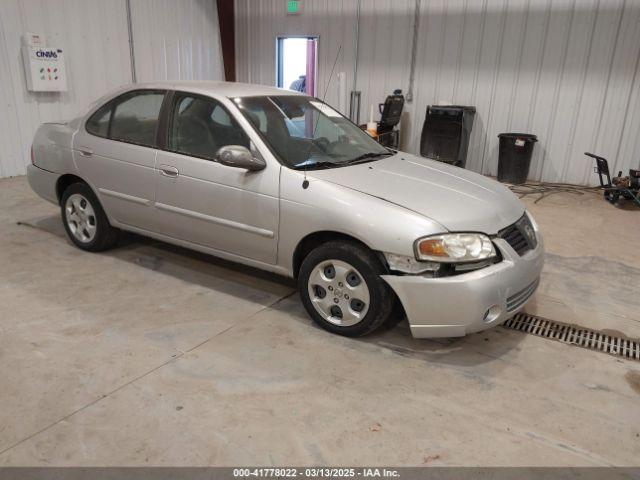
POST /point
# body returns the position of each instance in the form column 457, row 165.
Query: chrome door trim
column 219, row 221
column 124, row 196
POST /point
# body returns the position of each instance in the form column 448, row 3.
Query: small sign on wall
column 293, row 7
column 44, row 67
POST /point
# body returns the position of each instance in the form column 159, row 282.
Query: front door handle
column 169, row 171
column 85, row 152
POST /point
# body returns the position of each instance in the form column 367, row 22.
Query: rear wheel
column 341, row 289
column 84, row 219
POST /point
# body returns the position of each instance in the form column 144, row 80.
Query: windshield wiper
column 367, row 157
column 312, row 165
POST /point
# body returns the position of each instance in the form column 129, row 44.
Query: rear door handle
column 169, row 171
column 85, row 152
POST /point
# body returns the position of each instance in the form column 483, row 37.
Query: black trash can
column 514, row 157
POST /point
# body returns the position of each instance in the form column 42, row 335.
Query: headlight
column 530, row 230
column 455, row 247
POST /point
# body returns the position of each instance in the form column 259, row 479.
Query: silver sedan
column 283, row 182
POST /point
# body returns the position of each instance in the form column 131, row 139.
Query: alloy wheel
column 80, row 218
column 338, row 292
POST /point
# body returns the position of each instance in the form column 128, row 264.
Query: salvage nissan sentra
column 281, row 181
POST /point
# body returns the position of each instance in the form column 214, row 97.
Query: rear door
column 201, row 201
column 115, row 151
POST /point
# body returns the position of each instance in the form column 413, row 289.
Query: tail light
column 33, row 156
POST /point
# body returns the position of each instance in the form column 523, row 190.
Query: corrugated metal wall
column 172, row 41
column 93, row 35
column 566, row 70
column 176, row 40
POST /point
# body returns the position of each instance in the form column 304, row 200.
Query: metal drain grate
column 574, row 335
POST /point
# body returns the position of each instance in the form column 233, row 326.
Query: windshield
column 306, row 133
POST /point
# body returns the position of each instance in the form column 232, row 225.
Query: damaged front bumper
column 457, row 305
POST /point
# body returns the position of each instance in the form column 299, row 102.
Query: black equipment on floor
column 390, row 114
column 626, row 187
column 446, row 132
column 514, row 157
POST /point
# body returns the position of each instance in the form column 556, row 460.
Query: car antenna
column 305, row 182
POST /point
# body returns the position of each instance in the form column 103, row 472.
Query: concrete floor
column 153, row 355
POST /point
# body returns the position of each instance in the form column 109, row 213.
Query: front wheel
column 341, row 289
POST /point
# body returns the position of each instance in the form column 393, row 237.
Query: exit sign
column 293, row 7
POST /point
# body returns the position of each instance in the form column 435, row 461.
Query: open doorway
column 297, row 63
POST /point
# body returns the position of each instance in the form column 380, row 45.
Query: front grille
column 518, row 299
column 520, row 235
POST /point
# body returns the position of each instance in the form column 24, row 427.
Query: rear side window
column 131, row 118
column 135, row 118
column 98, row 124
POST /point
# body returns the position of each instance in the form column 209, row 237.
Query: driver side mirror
column 239, row 157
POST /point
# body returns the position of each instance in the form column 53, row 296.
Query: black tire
column 382, row 299
column 105, row 236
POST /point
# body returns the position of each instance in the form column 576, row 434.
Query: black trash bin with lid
column 514, row 157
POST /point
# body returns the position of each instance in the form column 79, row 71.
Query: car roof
column 226, row 89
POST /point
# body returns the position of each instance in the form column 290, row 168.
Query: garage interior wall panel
column 259, row 23
column 176, row 40
column 93, row 35
column 172, row 40
column 565, row 70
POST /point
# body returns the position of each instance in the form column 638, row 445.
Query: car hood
column 458, row 199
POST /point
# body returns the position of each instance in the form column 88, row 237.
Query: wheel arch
column 315, row 239
column 65, row 181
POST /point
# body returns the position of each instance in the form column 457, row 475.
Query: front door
column 203, row 202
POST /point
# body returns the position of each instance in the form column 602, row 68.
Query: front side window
column 135, row 118
column 200, row 126
column 221, row 117
column 306, row 133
